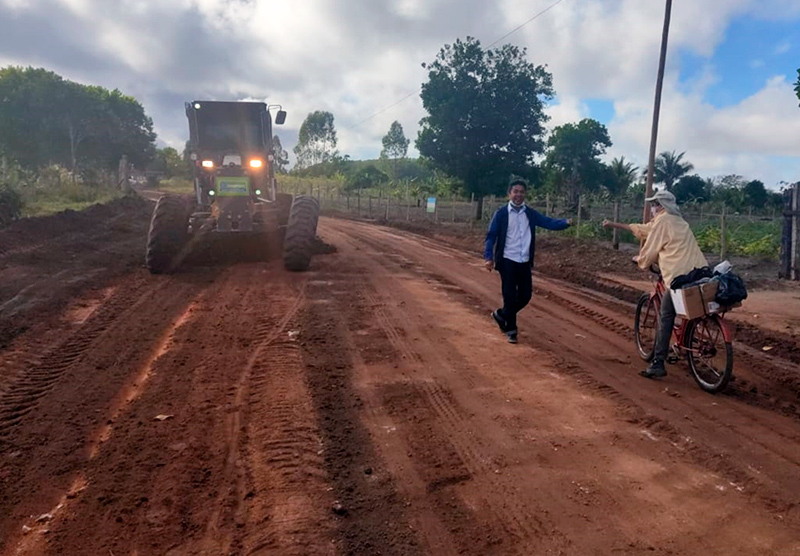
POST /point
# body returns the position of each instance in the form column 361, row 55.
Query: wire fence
column 755, row 233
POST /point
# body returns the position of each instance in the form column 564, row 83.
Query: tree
column 485, row 114
column 317, row 140
column 622, row 175
column 755, row 194
column 365, row 178
column 573, row 157
column 797, row 85
column 669, row 168
column 690, row 188
column 46, row 120
column 395, row 146
column 729, row 189
column 280, row 154
column 169, row 161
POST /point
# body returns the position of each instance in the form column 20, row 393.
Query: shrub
column 10, row 204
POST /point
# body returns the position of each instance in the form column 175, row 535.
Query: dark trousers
column 665, row 324
column 517, row 289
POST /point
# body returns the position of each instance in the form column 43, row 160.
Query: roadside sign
column 431, row 204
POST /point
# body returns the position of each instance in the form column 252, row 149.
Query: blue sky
column 753, row 51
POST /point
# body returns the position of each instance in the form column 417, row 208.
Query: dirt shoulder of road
column 768, row 320
column 45, row 262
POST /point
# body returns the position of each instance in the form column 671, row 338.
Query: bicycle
column 706, row 341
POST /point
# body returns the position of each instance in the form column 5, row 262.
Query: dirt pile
column 46, row 261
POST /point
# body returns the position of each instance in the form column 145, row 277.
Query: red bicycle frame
column 679, row 330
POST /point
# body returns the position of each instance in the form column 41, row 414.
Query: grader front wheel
column 301, row 231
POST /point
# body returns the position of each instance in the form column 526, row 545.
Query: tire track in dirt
column 34, row 383
column 373, row 516
column 577, row 363
column 69, row 392
column 286, row 466
column 456, row 455
column 283, row 306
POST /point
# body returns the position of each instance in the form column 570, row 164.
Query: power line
column 544, row 11
column 411, row 94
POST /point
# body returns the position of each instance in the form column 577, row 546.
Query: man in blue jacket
column 510, row 247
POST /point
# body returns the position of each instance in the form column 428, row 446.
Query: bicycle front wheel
column 710, row 356
column 645, row 326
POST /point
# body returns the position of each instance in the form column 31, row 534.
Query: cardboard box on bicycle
column 694, row 301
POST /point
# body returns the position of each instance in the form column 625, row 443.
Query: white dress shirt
column 518, row 236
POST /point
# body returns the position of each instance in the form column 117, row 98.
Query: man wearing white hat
column 668, row 241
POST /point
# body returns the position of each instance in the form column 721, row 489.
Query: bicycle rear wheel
column 710, row 356
column 645, row 326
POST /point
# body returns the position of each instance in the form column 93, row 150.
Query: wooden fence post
column 122, row 175
column 615, row 240
column 578, row 226
column 723, row 240
column 547, row 208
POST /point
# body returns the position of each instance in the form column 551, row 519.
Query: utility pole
column 656, row 109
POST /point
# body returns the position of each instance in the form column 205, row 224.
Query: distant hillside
column 408, row 168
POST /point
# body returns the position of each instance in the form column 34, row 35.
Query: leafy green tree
column 317, row 140
column 669, row 168
column 729, row 189
column 169, row 161
column 797, row 85
column 365, row 177
column 485, row 114
column 690, row 188
column 622, row 175
column 755, row 194
column 280, row 154
column 573, row 158
column 395, row 146
column 45, row 120
column 130, row 131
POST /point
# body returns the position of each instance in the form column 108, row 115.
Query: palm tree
column 622, row 176
column 669, row 168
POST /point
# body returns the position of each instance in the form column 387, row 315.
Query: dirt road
column 370, row 406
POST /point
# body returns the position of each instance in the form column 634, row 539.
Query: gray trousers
column 665, row 324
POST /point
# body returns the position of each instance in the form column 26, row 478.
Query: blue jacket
column 496, row 236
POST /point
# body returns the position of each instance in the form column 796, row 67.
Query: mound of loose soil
column 46, row 261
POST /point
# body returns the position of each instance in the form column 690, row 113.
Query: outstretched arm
column 617, row 225
column 551, row 223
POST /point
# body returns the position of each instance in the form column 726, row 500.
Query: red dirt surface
column 368, row 406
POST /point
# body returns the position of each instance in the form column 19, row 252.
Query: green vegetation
column 176, row 186
column 45, row 120
column 486, row 114
column 61, row 142
column 752, row 239
column 572, row 165
column 50, row 190
column 316, row 143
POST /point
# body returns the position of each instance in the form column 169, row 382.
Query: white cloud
column 783, row 47
column 357, row 57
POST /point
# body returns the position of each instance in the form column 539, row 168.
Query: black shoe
column 501, row 322
column 654, row 371
column 512, row 337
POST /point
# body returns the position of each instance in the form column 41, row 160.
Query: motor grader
column 235, row 192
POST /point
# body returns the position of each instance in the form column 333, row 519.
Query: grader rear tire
column 300, row 234
column 169, row 232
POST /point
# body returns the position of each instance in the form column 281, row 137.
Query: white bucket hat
column 666, row 200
